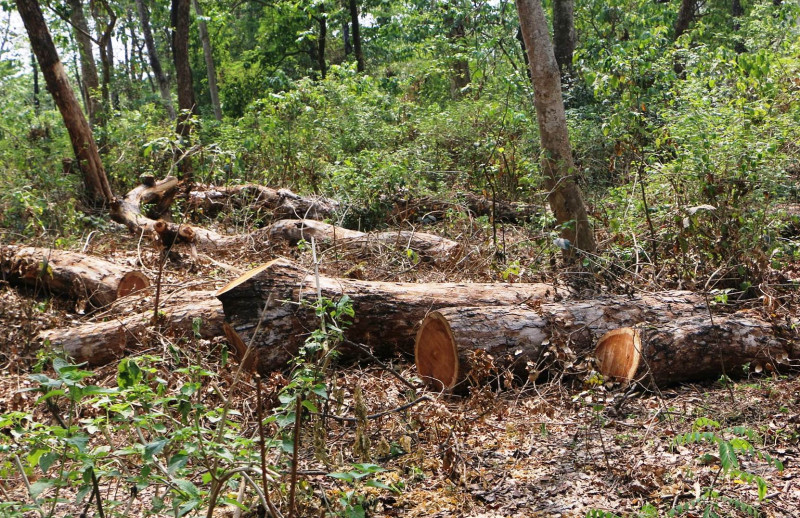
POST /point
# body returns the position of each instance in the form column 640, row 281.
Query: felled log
column 128, row 211
column 386, row 313
column 426, row 245
column 462, row 345
column 694, row 348
column 69, row 273
column 98, row 343
column 280, row 203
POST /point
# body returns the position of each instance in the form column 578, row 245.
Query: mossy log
column 72, row 274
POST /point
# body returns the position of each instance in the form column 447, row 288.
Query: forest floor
column 560, row 447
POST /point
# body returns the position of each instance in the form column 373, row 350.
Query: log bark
column 72, row 274
column 387, row 314
column 459, row 346
column 98, row 343
column 281, row 203
column 428, row 246
column 697, row 348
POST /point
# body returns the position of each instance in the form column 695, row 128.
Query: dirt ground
column 560, row 447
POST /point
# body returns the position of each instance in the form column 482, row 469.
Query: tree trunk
column 68, row 273
column 83, row 144
column 427, row 246
column 211, row 71
column 685, row 17
column 460, row 76
column 558, row 168
column 524, row 49
column 563, row 33
column 458, row 346
column 91, row 81
column 348, row 47
column 737, row 11
column 322, row 19
column 356, row 35
column 98, row 343
column 155, row 63
column 35, row 68
column 387, row 314
column 183, row 74
column 104, row 24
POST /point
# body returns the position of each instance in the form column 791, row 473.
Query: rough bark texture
column 155, row 63
column 322, row 41
column 558, row 168
column 685, row 17
column 281, row 203
column 356, row 35
column 211, row 70
column 183, row 72
column 387, row 314
column 83, row 144
column 98, row 343
column 460, row 76
column 69, row 273
column 425, row 245
column 563, row 33
column 91, row 81
column 695, row 348
column 453, row 341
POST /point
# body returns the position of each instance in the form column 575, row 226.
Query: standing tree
column 183, row 74
column 80, row 134
column 356, row 35
column 155, row 63
column 565, row 197
column 211, row 70
column 563, row 33
column 91, row 82
column 685, row 17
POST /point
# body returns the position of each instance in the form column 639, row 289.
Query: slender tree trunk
column 183, row 74
column 35, row 68
column 91, row 81
column 563, row 33
column 524, row 52
column 322, row 19
column 558, row 168
column 356, row 35
column 209, row 55
column 685, row 17
column 104, row 25
column 94, row 176
column 348, row 47
column 737, row 11
column 155, row 63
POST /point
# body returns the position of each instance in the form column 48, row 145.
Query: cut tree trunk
column 426, row 245
column 387, row 314
column 69, row 273
column 98, row 343
column 281, row 203
column 459, row 346
column 696, row 348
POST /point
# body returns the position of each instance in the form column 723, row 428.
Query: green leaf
column 39, row 486
column 128, row 373
column 47, row 460
column 188, row 506
column 79, row 441
column 311, row 407
column 154, row 448
column 727, row 456
column 176, row 462
column 187, row 487
column 349, row 477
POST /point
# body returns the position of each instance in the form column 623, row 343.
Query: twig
column 27, row 484
column 298, row 411
column 379, row 414
column 263, row 446
column 364, row 349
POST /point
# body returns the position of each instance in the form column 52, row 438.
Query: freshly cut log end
column 248, row 275
column 619, row 353
column 132, row 282
column 436, row 354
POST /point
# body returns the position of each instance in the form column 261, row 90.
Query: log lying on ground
column 281, row 203
column 98, row 343
column 694, row 348
column 386, row 313
column 426, row 245
column 452, row 341
column 69, row 273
